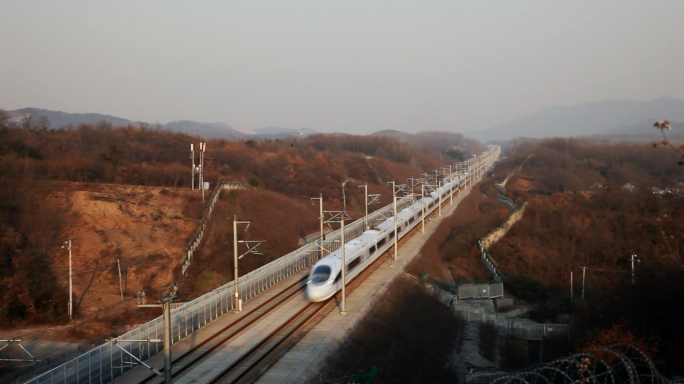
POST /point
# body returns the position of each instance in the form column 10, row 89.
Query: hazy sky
column 347, row 66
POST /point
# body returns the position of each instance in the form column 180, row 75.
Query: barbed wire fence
column 616, row 364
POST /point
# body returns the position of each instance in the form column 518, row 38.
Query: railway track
column 266, row 353
column 197, row 354
column 259, row 358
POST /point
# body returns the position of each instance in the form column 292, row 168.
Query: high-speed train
column 325, row 278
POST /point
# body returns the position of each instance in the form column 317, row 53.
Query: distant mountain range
column 59, row 119
column 62, row 119
column 612, row 117
column 219, row 130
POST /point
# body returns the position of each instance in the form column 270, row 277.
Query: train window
column 372, row 250
column 320, row 274
column 391, row 235
column 353, row 264
column 339, row 277
column 411, row 220
column 399, row 229
column 381, row 243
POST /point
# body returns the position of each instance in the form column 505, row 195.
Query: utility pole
column 166, row 307
column 634, row 257
column 460, row 186
column 321, row 218
column 203, row 147
column 451, row 188
column 365, row 219
column 394, row 206
column 422, row 207
column 343, row 312
column 192, row 156
column 439, row 185
column 584, row 272
column 70, row 308
column 118, row 263
column 340, row 217
column 412, row 181
column 570, row 285
column 238, row 301
column 167, row 341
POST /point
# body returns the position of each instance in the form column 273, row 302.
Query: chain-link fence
column 480, row 291
column 483, row 311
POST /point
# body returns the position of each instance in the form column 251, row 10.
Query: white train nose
column 319, row 292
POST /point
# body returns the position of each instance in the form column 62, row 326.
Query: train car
column 325, row 278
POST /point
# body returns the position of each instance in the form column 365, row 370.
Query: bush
column 409, row 336
column 255, row 181
column 527, row 288
column 209, row 280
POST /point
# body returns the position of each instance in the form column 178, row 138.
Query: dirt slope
column 145, row 228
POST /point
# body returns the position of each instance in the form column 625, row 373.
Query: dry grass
column 408, row 336
column 454, row 244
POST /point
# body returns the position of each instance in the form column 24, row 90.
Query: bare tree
column 44, row 123
column 663, row 125
column 29, row 117
column 4, row 116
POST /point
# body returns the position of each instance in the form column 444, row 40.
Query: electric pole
column 451, row 188
column 340, row 217
column 343, row 312
column 252, row 250
column 394, row 207
column 570, row 285
column 634, row 257
column 166, row 307
column 322, row 219
column 365, row 219
column 70, row 308
column 439, row 185
column 203, row 147
column 192, row 156
column 238, row 304
column 422, row 207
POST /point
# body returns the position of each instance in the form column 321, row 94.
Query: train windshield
column 320, row 274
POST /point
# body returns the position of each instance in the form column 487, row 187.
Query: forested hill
column 143, row 156
column 593, row 205
column 82, row 182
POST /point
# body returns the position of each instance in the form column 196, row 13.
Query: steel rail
column 250, row 366
column 230, row 331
